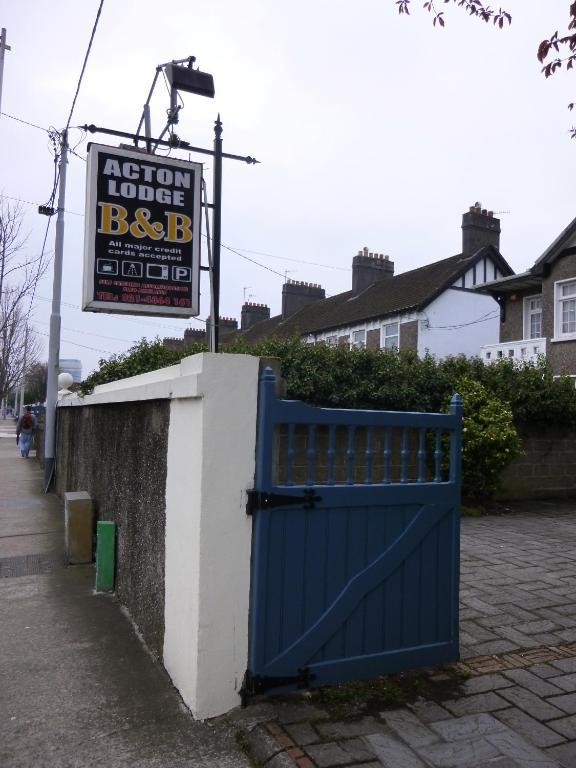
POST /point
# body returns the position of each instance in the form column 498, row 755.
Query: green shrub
column 360, row 378
column 489, row 439
column 497, row 398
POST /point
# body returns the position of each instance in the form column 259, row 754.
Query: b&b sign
column 142, row 234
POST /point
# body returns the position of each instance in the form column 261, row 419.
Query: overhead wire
column 482, row 319
column 31, row 202
column 253, row 261
column 297, row 261
column 94, row 27
column 75, row 344
column 89, row 333
column 24, row 122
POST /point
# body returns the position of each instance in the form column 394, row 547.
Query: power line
column 89, row 333
column 24, row 122
column 84, row 64
column 482, row 319
column 253, row 261
column 297, row 261
column 84, row 346
column 30, row 202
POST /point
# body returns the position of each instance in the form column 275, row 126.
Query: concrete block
column 78, row 526
column 460, row 754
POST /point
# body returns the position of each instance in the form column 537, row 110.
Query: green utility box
column 105, row 555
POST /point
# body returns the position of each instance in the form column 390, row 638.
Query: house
column 538, row 309
column 432, row 309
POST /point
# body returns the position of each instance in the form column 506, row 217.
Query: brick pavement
column 518, row 644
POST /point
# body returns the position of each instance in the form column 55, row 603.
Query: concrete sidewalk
column 77, row 688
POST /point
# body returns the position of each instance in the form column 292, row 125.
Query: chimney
column 194, row 335
column 368, row 268
column 227, row 325
column 479, row 228
column 296, row 295
column 252, row 314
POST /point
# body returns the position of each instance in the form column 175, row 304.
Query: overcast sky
column 372, row 129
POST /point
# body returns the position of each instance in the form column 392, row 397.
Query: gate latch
column 266, row 500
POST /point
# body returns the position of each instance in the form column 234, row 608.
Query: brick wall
column 547, row 468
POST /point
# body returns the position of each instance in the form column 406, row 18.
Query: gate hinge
column 255, row 684
column 266, row 500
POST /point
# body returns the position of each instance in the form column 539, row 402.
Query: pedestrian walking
column 25, row 430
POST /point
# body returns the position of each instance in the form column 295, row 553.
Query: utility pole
column 55, row 322
column 3, row 47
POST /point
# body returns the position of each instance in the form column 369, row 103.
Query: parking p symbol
column 181, row 274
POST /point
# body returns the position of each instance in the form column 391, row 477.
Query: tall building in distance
column 73, row 367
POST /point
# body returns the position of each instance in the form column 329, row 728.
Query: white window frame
column 526, row 315
column 559, row 335
column 332, row 341
column 385, row 336
column 359, row 339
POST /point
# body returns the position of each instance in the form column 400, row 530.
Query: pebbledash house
column 434, row 309
column 538, row 309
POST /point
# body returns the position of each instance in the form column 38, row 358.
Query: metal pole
column 3, row 47
column 147, row 127
column 216, row 228
column 55, row 322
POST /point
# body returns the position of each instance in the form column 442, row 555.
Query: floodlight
column 190, row 80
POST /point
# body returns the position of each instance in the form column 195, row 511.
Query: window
column 359, row 339
column 390, row 336
column 332, row 341
column 565, row 309
column 533, row 317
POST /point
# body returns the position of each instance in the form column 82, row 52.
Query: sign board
column 142, row 234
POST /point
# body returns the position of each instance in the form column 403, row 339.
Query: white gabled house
column 434, row 309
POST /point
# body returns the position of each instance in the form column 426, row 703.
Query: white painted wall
column 458, row 322
column 211, row 461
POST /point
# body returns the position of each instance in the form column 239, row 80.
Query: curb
column 269, row 745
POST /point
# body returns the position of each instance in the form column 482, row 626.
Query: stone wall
column 546, row 470
column 117, row 453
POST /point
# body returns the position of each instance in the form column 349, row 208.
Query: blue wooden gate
column 355, row 552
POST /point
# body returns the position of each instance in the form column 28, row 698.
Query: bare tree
column 19, row 275
column 19, row 345
column 19, row 271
